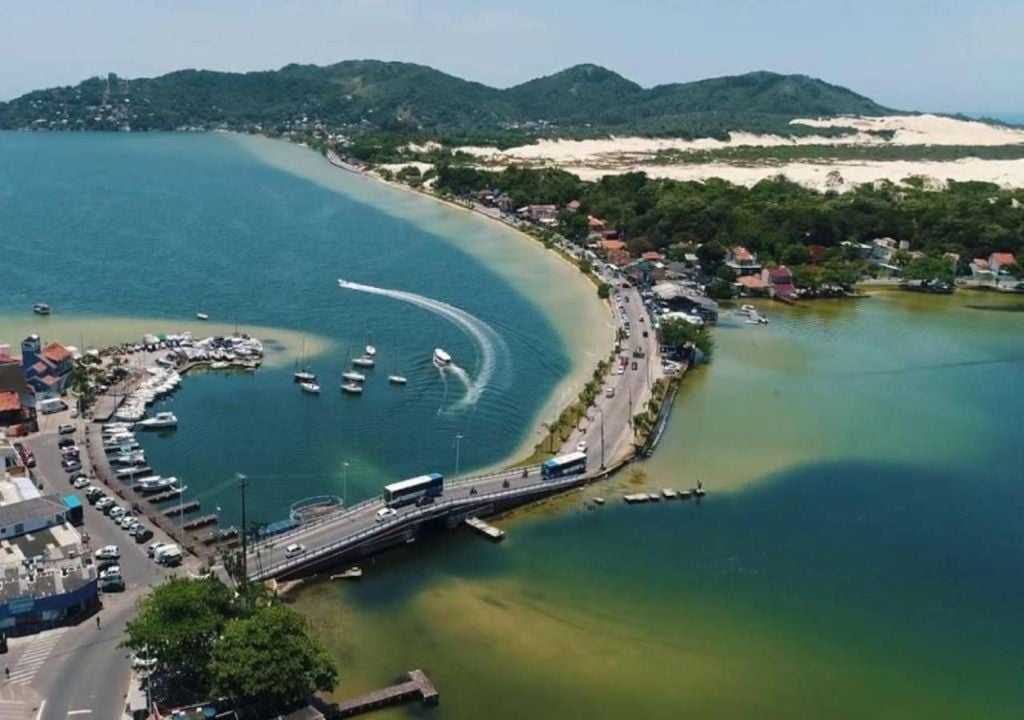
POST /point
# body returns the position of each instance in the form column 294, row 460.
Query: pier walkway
column 417, row 686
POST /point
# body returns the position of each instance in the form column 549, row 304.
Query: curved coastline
column 565, row 296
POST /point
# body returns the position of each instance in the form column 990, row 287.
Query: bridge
column 355, row 532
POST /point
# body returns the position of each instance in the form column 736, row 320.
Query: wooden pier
column 200, row 522
column 182, row 509
column 486, row 529
column 416, row 686
column 165, row 495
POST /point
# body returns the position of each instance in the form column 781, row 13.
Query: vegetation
column 208, row 640
column 798, row 153
column 383, row 105
column 679, row 334
column 782, row 221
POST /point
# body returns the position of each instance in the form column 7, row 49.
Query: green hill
column 360, row 96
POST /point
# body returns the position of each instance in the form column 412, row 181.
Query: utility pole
column 245, row 533
column 458, row 444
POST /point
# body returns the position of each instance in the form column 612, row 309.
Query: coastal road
column 86, row 670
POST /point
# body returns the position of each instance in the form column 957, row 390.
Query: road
column 85, row 669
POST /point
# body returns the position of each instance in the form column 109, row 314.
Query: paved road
column 85, row 669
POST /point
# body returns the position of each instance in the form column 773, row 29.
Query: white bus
column 413, row 490
column 571, row 464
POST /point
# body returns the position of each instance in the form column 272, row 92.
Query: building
column 780, row 283
column 752, row 285
column 742, row 261
column 619, row 258
column 544, row 214
column 11, row 411
column 46, row 369
column 882, row 250
column 999, row 263
column 573, row 206
column 32, row 515
column 980, row 269
column 677, row 298
column 596, row 224
column 610, row 245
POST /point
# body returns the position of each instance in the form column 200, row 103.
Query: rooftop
column 9, row 402
column 55, row 352
column 20, row 512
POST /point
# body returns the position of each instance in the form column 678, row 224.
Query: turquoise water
column 858, row 554
column 164, row 226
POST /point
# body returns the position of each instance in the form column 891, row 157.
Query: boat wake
column 489, row 343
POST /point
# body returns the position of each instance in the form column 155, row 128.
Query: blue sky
column 944, row 55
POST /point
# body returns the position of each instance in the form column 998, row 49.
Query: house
column 573, row 206
column 742, row 261
column 999, row 262
column 677, row 298
column 652, row 256
column 545, row 214
column 619, row 258
column 863, row 250
column 47, row 370
column 980, row 269
column 596, row 224
column 780, row 283
column 10, row 408
column 882, row 250
column 610, row 245
column 752, row 285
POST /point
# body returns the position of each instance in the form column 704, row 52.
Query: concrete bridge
column 355, row 532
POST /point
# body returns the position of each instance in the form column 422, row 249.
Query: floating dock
column 181, row 509
column 486, row 529
column 161, row 496
column 200, row 522
column 416, row 686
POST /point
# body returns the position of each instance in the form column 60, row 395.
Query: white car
column 81, row 483
column 153, row 547
column 117, row 513
column 111, row 572
column 127, row 521
column 581, row 446
column 294, row 550
column 384, row 513
column 108, row 552
column 65, row 429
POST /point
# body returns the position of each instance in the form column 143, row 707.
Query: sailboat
column 304, row 375
column 395, row 378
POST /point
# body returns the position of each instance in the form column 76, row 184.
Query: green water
column 859, row 554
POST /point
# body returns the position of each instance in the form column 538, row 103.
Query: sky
column 940, row 55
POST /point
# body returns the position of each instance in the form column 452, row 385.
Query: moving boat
column 159, row 421
column 310, row 387
column 441, row 359
column 370, row 351
column 352, row 388
column 41, row 308
column 353, row 376
column 364, row 361
column 202, row 316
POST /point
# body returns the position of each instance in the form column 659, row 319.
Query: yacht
column 370, row 351
column 304, row 376
column 202, row 316
column 352, row 388
column 310, row 387
column 352, row 376
column 397, row 379
column 364, row 361
column 41, row 308
column 441, row 359
column 159, row 421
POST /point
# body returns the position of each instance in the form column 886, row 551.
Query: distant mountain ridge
column 370, row 95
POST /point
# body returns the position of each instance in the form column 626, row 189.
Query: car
column 108, row 552
column 581, row 446
column 66, row 429
column 117, row 512
column 133, row 527
column 609, row 392
column 143, row 534
column 141, row 662
column 619, row 370
column 71, row 466
column 294, row 550
column 635, row 366
column 153, row 547
column 110, row 507
column 65, row 442
column 110, row 572
column 126, row 521
column 384, row 513
column 74, row 413
column 103, row 502
column 81, row 482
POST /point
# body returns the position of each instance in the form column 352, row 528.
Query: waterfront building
column 46, row 369
column 678, row 298
column 999, row 263
column 780, row 283
column 742, row 261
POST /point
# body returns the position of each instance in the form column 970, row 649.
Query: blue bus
column 413, row 490
column 571, row 464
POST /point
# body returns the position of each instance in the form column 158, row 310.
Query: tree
column 711, row 256
column 179, row 622
column 585, row 267
column 604, row 291
column 573, row 226
column 795, row 255
column 678, row 334
column 726, row 273
column 271, row 659
column 721, row 290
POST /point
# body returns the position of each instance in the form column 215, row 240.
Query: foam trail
column 488, row 341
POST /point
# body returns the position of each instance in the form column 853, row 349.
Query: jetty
column 200, row 522
column 182, row 509
column 415, row 686
column 486, row 529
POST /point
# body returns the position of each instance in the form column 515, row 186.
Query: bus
column 413, row 490
column 571, row 464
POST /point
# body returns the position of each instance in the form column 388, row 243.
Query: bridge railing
column 397, row 521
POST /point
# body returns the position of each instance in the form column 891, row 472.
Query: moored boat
column 353, row 376
column 41, row 308
column 397, row 379
column 158, row 422
column 310, row 387
column 364, row 361
column 304, row 376
column 352, row 388
column 202, row 316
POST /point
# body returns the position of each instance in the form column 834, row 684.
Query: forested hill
column 369, row 95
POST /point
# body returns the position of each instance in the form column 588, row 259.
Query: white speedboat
column 370, row 351
column 353, row 376
column 364, row 361
column 202, row 316
column 441, row 359
column 159, row 421
column 352, row 388
column 397, row 379
column 310, row 387
column 41, row 308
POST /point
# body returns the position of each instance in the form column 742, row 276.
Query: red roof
column 55, row 352
column 981, row 263
column 1004, row 258
column 574, row 205
column 611, row 245
column 780, row 276
column 652, row 255
column 9, row 401
column 752, row 282
column 741, row 254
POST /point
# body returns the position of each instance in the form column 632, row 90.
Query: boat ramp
column 486, row 529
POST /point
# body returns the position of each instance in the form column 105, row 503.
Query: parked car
column 116, row 513
column 153, row 547
column 384, row 513
column 66, row 429
column 81, row 482
column 71, row 466
column 110, row 572
column 126, row 521
column 143, row 534
column 294, row 550
column 108, row 552
column 65, row 442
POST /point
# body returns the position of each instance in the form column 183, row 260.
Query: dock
column 200, row 522
column 181, row 509
column 416, row 686
column 486, row 529
column 636, row 498
column 129, row 472
column 165, row 495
